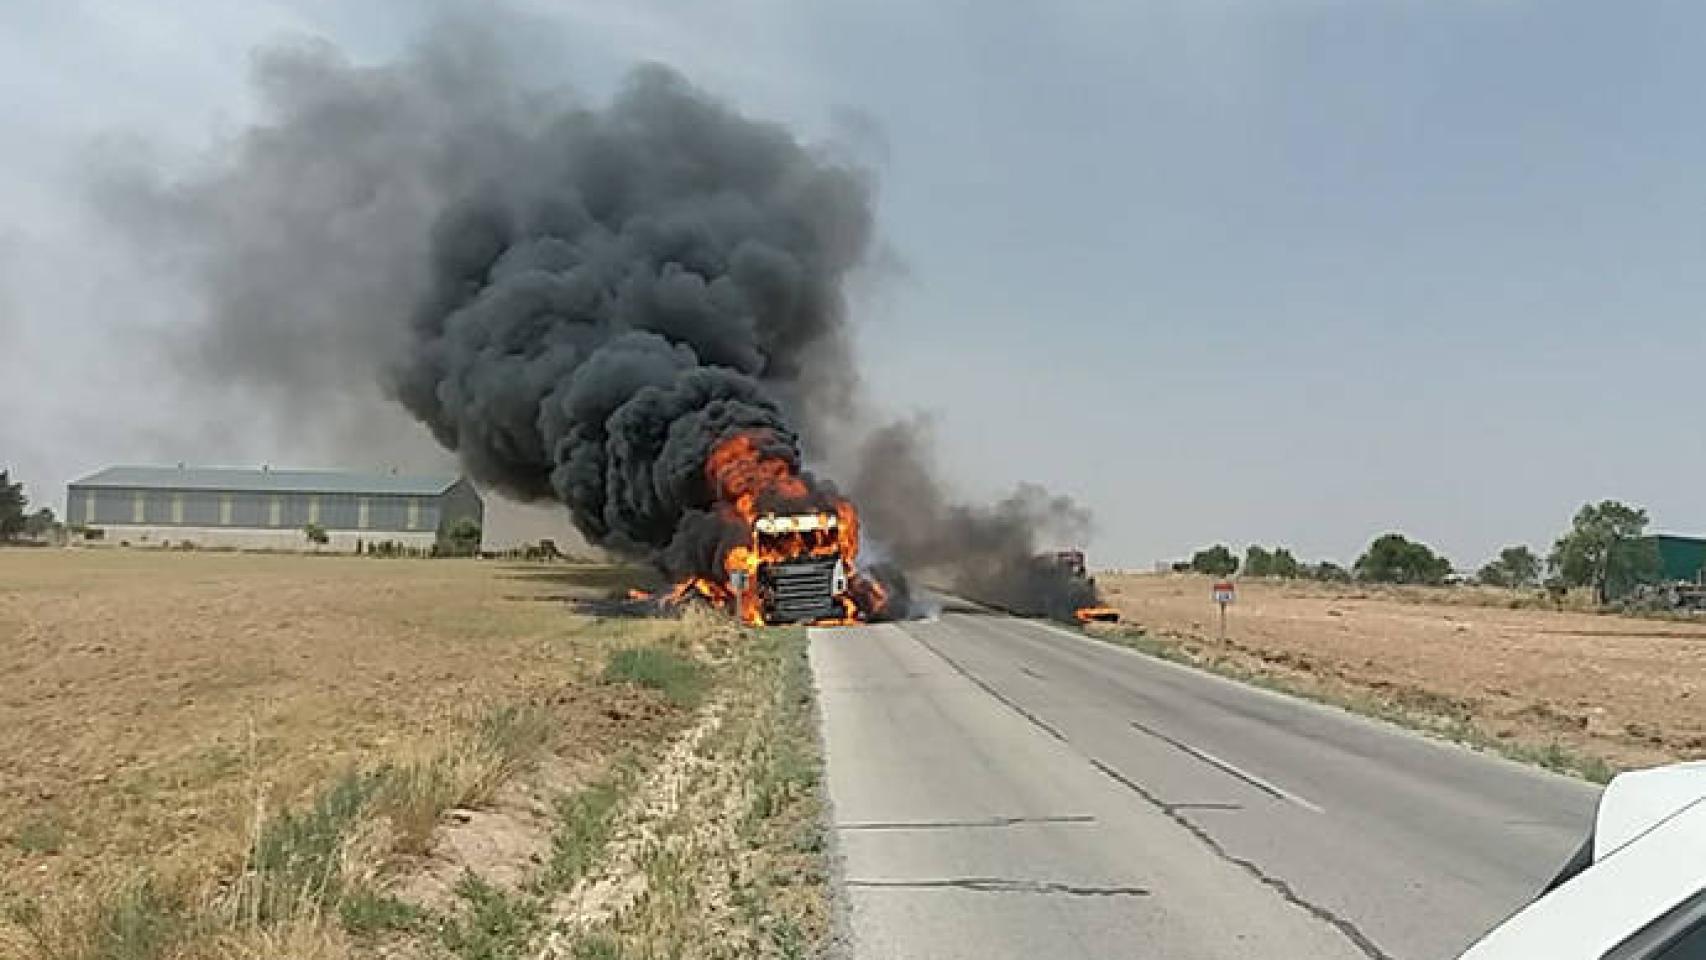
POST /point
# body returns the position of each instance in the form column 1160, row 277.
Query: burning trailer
column 1072, row 565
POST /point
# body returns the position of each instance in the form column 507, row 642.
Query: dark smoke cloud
column 579, row 301
column 307, row 243
column 661, row 278
column 984, row 552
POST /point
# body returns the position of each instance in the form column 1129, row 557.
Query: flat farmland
column 171, row 721
column 1575, row 690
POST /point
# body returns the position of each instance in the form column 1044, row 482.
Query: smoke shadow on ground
column 588, row 577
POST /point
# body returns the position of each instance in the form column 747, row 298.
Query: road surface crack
column 1003, row 885
column 1005, row 700
column 1284, row 889
column 1359, row 939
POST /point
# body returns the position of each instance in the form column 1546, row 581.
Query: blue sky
column 1297, row 271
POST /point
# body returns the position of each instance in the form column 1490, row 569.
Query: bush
column 1394, row 558
column 1259, row 562
column 462, row 539
column 1515, row 567
column 680, row 679
column 1328, row 572
column 1216, row 561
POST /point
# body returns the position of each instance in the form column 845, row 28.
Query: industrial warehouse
column 267, row 509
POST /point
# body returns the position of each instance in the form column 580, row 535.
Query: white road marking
column 1246, row 775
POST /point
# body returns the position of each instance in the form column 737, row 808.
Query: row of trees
column 1259, row 561
column 1605, row 549
column 15, row 518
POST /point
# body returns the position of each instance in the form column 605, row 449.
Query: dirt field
column 1561, row 687
column 168, row 719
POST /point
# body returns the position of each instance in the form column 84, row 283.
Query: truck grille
column 799, row 590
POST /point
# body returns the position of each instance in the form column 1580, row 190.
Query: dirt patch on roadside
column 507, row 840
column 1630, row 691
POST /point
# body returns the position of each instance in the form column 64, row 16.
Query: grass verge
column 736, row 866
column 1430, row 715
column 678, row 677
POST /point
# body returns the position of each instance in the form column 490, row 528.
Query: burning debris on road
column 1096, row 615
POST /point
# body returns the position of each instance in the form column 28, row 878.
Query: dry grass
column 1577, row 691
column 220, row 754
column 721, row 854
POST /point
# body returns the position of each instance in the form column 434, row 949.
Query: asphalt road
column 1004, row 788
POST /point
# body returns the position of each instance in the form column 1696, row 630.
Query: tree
column 1261, row 562
column 1328, row 572
column 1216, row 561
column 40, row 524
column 1606, row 549
column 1258, row 562
column 1516, row 567
column 316, row 534
column 462, row 539
column 1394, row 558
column 12, row 504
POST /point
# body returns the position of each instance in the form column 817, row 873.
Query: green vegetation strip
column 739, row 868
column 1436, row 718
column 677, row 677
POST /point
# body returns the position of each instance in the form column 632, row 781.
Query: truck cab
column 801, row 575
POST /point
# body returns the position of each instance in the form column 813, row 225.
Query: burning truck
column 793, row 570
column 790, row 548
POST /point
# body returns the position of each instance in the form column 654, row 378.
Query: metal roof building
column 267, row 508
column 1681, row 558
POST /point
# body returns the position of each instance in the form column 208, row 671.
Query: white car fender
column 1649, row 861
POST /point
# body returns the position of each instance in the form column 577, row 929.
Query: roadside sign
column 1225, row 592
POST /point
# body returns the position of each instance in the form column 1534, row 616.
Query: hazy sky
column 1223, row 269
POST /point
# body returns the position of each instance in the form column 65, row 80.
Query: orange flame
column 1097, row 615
column 750, row 482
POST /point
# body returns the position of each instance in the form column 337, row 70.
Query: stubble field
column 234, row 755
column 1579, row 691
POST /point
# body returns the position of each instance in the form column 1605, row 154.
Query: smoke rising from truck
column 582, row 302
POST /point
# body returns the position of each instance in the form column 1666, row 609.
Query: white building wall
column 256, row 538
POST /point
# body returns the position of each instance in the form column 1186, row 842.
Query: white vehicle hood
column 1636, row 802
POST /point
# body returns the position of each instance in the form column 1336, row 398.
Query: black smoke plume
column 644, row 286
column 988, row 553
column 579, row 301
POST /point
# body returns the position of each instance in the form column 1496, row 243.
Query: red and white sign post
column 1225, row 592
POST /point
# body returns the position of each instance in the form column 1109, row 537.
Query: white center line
column 1260, row 783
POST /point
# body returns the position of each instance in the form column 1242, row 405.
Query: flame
column 750, row 483
column 637, row 594
column 1097, row 615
